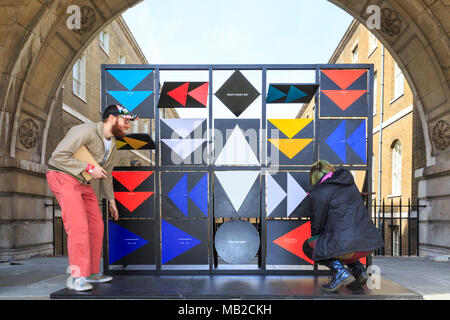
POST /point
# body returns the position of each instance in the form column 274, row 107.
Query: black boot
column 359, row 272
column 341, row 276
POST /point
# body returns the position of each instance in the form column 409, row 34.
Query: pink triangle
column 200, row 94
column 180, row 93
column 131, row 179
column 344, row 78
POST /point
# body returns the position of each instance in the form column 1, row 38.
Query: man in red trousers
column 80, row 210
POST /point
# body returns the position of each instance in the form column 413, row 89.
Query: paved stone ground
column 37, row 278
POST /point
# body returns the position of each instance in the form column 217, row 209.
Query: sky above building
column 239, row 32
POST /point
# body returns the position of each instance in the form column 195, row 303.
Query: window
column 373, row 173
column 355, row 54
column 396, row 168
column 79, row 77
column 399, row 84
column 121, row 59
column 104, row 41
column 375, row 93
column 395, row 241
column 373, row 43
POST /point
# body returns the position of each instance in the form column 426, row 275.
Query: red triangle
column 132, row 200
column 344, row 98
column 363, row 260
column 180, row 93
column 200, row 94
column 131, row 179
column 344, row 78
column 293, row 241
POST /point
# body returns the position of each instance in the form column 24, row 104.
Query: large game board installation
column 229, row 193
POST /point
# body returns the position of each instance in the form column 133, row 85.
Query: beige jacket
column 90, row 135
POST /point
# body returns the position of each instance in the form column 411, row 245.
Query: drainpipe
column 380, row 140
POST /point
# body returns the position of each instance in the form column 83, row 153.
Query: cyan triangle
column 357, row 141
column 122, row 242
column 274, row 94
column 199, row 194
column 294, row 94
column 336, row 141
column 130, row 99
column 179, row 195
column 174, row 241
column 130, row 78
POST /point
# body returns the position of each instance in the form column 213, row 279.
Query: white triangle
column 237, row 184
column 237, row 151
column 275, row 194
column 183, row 147
column 183, row 127
column 295, row 194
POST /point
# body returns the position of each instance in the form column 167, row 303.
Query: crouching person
column 342, row 231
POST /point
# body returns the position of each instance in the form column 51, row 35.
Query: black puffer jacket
column 340, row 218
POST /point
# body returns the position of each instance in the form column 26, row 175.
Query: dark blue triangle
column 274, row 94
column 357, row 141
column 199, row 194
column 179, row 195
column 336, row 141
column 294, row 94
column 130, row 78
column 174, row 241
column 122, row 242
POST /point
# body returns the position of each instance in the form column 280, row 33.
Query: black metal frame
column 210, row 168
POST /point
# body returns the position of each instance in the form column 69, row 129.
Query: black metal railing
column 59, row 234
column 398, row 222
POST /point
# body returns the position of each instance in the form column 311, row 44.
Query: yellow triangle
column 121, row 144
column 290, row 147
column 290, row 127
column 135, row 144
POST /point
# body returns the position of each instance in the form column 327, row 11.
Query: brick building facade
column 394, row 118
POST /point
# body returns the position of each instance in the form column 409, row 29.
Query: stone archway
column 37, row 50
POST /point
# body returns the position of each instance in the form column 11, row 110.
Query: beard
column 117, row 131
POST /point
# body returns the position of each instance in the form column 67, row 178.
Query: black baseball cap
column 119, row 111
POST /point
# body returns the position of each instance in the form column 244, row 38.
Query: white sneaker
column 78, row 284
column 98, row 277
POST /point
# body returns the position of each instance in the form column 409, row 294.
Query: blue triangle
column 199, row 194
column 130, row 78
column 174, row 241
column 130, row 99
column 179, row 195
column 274, row 94
column 336, row 141
column 294, row 94
column 357, row 141
column 122, row 242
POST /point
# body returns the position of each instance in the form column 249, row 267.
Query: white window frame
column 79, row 77
column 373, row 43
column 396, row 168
column 395, row 241
column 399, row 83
column 375, row 92
column 104, row 41
column 121, row 59
column 355, row 53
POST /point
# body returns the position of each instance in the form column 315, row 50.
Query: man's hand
column 99, row 173
column 113, row 209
